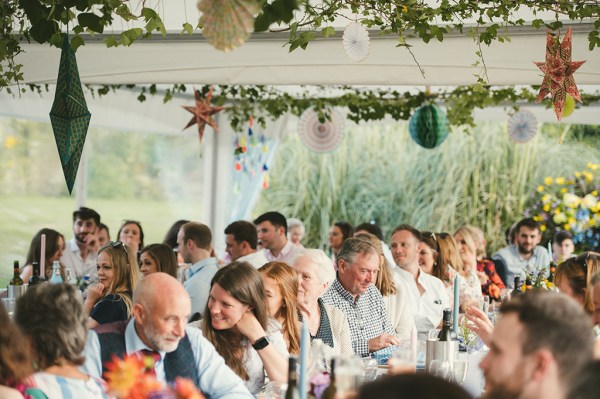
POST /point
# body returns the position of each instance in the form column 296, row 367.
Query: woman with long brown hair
column 573, row 278
column 236, row 321
column 118, row 274
column 15, row 358
column 55, row 244
column 281, row 287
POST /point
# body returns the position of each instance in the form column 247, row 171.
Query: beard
column 160, row 341
column 524, row 251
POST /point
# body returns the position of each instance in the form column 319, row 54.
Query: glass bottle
column 71, row 279
column 35, row 277
column 331, row 390
column 552, row 269
column 56, row 276
column 529, row 282
column 517, row 288
column 447, row 333
column 292, row 392
column 16, row 280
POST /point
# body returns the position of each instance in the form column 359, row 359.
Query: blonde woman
column 118, row 274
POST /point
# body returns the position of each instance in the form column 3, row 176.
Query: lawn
column 22, row 216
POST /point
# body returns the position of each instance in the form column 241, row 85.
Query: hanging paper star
column 203, row 113
column 558, row 72
column 69, row 116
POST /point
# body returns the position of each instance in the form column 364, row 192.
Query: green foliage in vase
column 378, row 173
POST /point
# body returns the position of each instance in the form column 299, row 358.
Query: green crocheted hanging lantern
column 429, row 126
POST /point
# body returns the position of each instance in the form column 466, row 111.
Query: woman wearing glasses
column 573, row 278
column 118, row 273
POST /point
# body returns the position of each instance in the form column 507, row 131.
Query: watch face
column 261, row 343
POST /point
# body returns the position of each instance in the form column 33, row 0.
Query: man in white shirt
column 272, row 233
column 427, row 295
column 241, row 239
column 81, row 251
column 194, row 242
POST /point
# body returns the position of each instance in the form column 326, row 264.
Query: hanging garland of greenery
column 44, row 20
column 269, row 102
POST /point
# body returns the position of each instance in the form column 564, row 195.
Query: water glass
column 275, row 390
column 348, row 374
column 433, row 333
column 403, row 360
column 9, row 304
column 370, row 369
column 442, row 369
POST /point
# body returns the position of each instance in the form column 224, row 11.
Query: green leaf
column 328, row 31
column 43, row 30
column 76, row 42
column 187, row 28
column 111, row 42
column 148, row 13
column 262, row 23
column 56, row 40
column 92, row 21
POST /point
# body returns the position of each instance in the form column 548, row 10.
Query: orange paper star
column 558, row 72
column 203, row 113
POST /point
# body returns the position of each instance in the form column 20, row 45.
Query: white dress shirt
column 72, row 259
column 428, row 307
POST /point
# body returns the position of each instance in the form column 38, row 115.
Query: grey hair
column 293, row 222
column 354, row 246
column 53, row 316
column 324, row 265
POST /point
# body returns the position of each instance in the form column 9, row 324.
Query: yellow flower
column 567, row 227
column 537, row 218
column 548, row 181
column 404, row 9
column 577, row 174
column 559, row 218
column 10, row 142
column 560, row 180
column 594, row 193
column 543, row 227
column 540, row 189
column 546, row 207
column 563, row 190
column 588, row 176
column 571, row 200
column 571, row 220
column 545, row 198
column 589, row 201
column 593, row 166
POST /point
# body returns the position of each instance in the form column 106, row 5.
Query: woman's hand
column 94, row 293
column 249, row 327
column 481, row 326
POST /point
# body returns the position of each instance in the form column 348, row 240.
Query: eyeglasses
column 117, row 244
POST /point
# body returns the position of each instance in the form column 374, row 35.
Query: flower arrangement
column 572, row 204
column 132, row 378
column 318, row 383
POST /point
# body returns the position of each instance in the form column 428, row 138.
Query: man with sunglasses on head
column 81, row 251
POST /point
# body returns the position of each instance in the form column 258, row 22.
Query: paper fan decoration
column 429, row 126
column 321, row 137
column 356, row 42
column 522, row 126
column 227, row 24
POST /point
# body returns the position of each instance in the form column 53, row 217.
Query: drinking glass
column 460, row 370
column 275, row 390
column 442, row 369
column 370, row 369
column 433, row 333
column 9, row 304
column 348, row 375
column 403, row 359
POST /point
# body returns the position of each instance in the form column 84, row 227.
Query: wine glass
column 370, row 369
column 348, row 374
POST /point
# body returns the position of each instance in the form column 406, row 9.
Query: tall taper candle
column 304, row 349
column 550, row 250
column 43, row 257
column 456, row 302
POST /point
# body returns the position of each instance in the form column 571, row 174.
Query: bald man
column 161, row 308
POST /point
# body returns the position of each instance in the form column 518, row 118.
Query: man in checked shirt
column 354, row 293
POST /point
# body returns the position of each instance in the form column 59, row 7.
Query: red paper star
column 558, row 72
column 203, row 113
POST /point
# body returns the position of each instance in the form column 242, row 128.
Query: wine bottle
column 331, row 390
column 35, row 277
column 16, row 280
column 552, row 269
column 292, row 391
column 517, row 288
column 56, row 276
column 447, row 333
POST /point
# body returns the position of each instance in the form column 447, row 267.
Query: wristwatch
column 261, row 343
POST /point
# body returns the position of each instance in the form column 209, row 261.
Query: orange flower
column 123, row 373
column 185, row 389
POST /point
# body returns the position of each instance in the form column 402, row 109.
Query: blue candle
column 304, row 348
column 456, row 302
column 550, row 250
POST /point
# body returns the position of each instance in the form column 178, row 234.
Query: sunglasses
column 117, row 244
